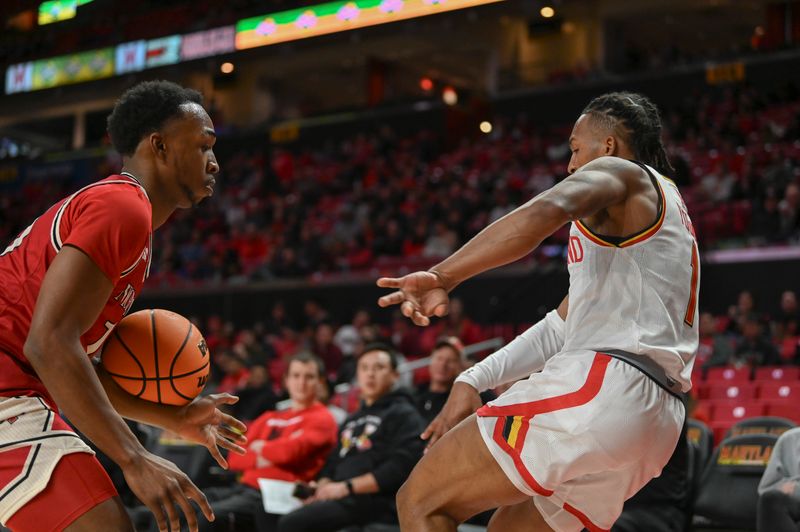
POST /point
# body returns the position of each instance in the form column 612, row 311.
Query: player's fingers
column 191, row 517
column 173, row 516
column 440, row 310
column 214, row 451
column 232, row 435
column 389, row 282
column 224, row 398
column 395, row 298
column 193, row 493
column 420, row 319
column 227, row 444
column 235, row 424
column 161, row 518
column 407, row 309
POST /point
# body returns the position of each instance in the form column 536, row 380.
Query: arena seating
column 727, row 496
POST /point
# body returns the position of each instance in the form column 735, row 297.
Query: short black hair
column 636, row 119
column 382, row 346
column 307, row 358
column 143, row 109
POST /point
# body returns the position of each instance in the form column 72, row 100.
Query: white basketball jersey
column 638, row 293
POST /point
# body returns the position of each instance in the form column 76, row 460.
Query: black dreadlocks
column 636, row 119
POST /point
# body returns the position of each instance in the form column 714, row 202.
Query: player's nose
column 213, row 167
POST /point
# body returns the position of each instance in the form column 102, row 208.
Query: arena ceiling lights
column 333, row 17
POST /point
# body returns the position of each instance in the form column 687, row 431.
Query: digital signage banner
column 209, row 42
column 333, row 17
column 74, row 68
column 130, row 57
column 163, row 51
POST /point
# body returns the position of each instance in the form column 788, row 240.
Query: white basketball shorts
column 33, row 439
column 582, row 436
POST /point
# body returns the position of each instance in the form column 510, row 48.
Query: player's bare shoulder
column 629, row 173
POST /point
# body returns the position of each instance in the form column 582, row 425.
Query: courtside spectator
column 446, row 363
column 286, row 445
column 378, row 447
column 779, row 489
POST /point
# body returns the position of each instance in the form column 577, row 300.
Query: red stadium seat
column 737, row 392
column 728, row 374
column 787, row 409
column 777, row 373
column 779, row 391
column 699, row 390
column 734, row 411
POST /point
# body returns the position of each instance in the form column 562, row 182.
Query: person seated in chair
column 379, row 445
column 779, row 489
column 288, row 445
column 447, row 362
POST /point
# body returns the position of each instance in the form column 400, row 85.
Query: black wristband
column 349, row 485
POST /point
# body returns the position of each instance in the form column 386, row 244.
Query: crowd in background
column 381, row 199
column 250, row 361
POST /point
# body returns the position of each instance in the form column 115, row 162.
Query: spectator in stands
column 789, row 209
column 714, row 348
column 779, row 489
column 378, row 446
column 235, row 372
column 753, row 349
column 456, row 323
column 256, row 396
column 288, row 445
column 447, row 362
column 323, row 346
column 789, row 316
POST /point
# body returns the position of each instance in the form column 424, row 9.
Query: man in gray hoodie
column 779, row 489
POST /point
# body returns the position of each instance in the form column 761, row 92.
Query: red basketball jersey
column 112, row 222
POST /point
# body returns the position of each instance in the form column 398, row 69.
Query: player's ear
column 158, row 146
column 611, row 146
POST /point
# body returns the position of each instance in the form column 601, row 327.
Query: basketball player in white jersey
column 598, row 415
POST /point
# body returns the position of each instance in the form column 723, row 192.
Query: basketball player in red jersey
column 598, row 413
column 67, row 280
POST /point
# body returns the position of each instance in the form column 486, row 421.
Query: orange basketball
column 158, row 356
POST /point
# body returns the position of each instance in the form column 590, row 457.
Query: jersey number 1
column 688, row 318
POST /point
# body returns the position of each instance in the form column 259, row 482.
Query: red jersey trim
column 636, row 238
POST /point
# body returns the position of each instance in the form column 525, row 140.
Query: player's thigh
column 458, row 477
column 522, row 517
column 109, row 515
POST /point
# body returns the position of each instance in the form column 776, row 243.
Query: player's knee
column 412, row 498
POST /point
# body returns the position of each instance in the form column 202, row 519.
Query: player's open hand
column 164, row 488
column 201, row 421
column 419, row 294
column 463, row 401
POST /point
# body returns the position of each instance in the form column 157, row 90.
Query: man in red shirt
column 67, row 280
column 286, row 445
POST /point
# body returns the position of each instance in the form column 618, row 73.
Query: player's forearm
column 365, row 484
column 131, row 407
column 526, row 354
column 67, row 374
column 504, row 241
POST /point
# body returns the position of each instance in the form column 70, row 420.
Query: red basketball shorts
column 48, row 476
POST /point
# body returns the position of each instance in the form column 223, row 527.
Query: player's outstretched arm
column 597, row 185
column 72, row 295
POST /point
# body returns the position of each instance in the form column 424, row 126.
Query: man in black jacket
column 378, row 447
